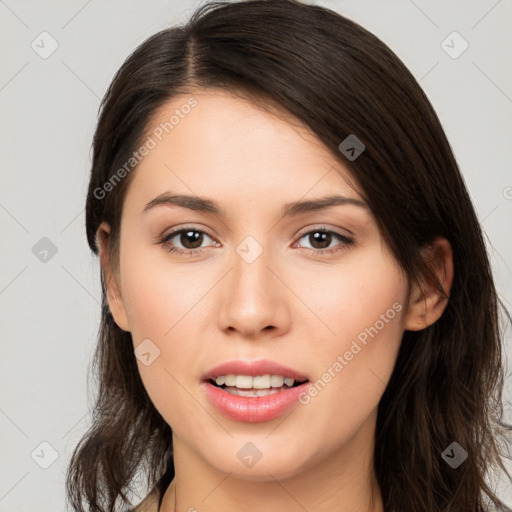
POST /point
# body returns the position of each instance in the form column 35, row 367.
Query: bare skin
column 212, row 306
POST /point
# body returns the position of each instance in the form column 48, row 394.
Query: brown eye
column 185, row 240
column 191, row 239
column 321, row 241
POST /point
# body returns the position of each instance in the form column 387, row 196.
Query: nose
column 252, row 299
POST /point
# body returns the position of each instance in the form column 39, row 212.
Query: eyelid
column 324, row 227
column 175, row 230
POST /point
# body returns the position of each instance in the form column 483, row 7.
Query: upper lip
column 253, row 368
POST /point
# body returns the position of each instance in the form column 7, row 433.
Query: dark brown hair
column 338, row 79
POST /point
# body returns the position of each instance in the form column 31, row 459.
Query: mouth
column 255, row 386
column 254, row 391
column 256, row 397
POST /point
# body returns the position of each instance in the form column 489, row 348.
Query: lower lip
column 253, row 409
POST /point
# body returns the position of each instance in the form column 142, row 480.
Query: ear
column 111, row 279
column 427, row 302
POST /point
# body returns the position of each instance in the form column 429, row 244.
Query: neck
column 341, row 480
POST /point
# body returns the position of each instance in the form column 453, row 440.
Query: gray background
column 49, row 303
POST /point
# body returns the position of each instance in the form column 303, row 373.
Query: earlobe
column 427, row 302
column 112, row 287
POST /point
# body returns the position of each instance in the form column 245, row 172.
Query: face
column 314, row 290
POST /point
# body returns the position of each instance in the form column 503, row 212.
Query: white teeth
column 257, row 382
column 261, row 382
column 230, row 380
column 276, row 381
column 251, row 392
column 243, row 382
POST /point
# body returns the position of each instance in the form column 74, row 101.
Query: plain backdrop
column 57, row 60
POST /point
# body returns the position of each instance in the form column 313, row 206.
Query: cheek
column 350, row 298
column 159, row 296
column 163, row 305
column 361, row 305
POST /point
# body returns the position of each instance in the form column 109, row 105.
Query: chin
column 269, row 466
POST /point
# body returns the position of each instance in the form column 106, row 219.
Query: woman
column 298, row 308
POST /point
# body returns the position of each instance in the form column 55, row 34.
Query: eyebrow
column 204, row 205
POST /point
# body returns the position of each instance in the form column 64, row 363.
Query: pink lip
column 253, row 368
column 253, row 409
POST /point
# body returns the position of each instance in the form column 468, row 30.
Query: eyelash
column 347, row 241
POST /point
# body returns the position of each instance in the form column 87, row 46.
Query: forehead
column 226, row 145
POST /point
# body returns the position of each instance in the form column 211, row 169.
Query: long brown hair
column 338, row 79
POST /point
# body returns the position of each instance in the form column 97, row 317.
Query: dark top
column 153, row 501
